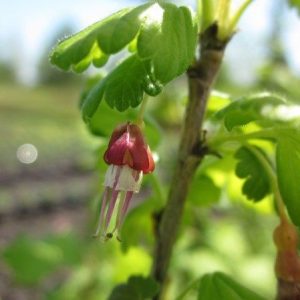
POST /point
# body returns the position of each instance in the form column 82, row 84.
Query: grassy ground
column 48, row 118
column 45, row 117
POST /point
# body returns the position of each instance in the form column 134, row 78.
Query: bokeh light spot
column 27, row 153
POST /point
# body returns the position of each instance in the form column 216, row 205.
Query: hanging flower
column 128, row 157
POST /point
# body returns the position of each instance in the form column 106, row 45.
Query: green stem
column 222, row 18
column 206, row 12
column 140, row 116
column 261, row 134
column 272, row 178
column 234, row 20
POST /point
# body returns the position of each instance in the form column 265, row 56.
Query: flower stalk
column 141, row 113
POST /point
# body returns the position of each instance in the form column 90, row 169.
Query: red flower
column 129, row 157
column 128, row 147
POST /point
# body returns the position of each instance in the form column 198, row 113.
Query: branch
column 192, row 149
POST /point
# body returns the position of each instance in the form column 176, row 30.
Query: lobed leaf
column 96, row 42
column 248, row 109
column 256, row 185
column 116, row 34
column 169, row 40
column 218, row 286
column 149, row 29
column 288, row 166
column 95, row 56
column 122, row 88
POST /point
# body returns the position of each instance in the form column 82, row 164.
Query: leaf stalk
column 273, row 181
column 141, row 113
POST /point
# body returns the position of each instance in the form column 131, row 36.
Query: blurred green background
column 51, row 170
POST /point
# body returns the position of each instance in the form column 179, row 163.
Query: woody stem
column 191, row 151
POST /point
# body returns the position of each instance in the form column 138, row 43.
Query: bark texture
column 191, row 151
column 288, row 290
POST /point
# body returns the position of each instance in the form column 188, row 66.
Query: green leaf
column 119, row 32
column 256, row 185
column 93, row 44
column 203, row 191
column 151, row 26
column 92, row 101
column 217, row 101
column 123, row 292
column 248, row 109
column 95, row 56
column 136, row 288
column 218, row 286
column 288, row 166
column 122, row 88
column 89, row 83
column 146, row 287
column 168, row 38
column 150, row 29
column 105, row 118
column 79, row 47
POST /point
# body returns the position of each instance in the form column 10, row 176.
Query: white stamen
column 127, row 181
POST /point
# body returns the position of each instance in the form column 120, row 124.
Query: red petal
column 116, row 150
column 139, row 150
column 117, row 133
column 128, row 147
column 151, row 162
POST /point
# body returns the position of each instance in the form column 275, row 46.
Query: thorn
column 109, row 236
column 203, row 136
